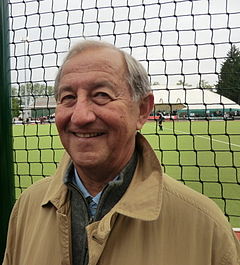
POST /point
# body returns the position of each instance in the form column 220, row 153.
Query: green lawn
column 204, row 155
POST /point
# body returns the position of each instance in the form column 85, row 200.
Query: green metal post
column 7, row 194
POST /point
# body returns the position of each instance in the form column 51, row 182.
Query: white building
column 192, row 101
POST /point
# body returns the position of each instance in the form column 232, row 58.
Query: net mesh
column 182, row 44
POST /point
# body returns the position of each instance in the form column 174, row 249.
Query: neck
column 94, row 186
column 95, row 179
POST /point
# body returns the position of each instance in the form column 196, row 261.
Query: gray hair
column 137, row 76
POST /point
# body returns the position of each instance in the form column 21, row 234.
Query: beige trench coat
column 158, row 221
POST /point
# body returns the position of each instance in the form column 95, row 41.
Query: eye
column 67, row 99
column 102, row 98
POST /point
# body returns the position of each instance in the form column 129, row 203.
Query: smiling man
column 96, row 117
column 109, row 201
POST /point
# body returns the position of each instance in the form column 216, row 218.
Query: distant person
column 41, row 119
column 161, row 119
column 109, row 202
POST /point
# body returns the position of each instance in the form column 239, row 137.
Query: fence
column 182, row 44
column 6, row 162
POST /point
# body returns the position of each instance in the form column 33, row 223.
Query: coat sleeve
column 11, row 237
column 231, row 251
column 236, row 260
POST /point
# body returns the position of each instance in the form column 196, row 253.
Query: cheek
column 60, row 118
column 129, row 117
column 57, row 120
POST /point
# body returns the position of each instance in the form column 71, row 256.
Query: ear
column 145, row 106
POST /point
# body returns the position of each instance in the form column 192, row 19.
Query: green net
column 191, row 52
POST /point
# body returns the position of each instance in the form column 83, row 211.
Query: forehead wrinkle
column 107, row 58
column 81, row 69
column 93, row 67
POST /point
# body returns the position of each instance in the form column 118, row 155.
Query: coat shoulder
column 36, row 191
column 38, row 186
column 185, row 197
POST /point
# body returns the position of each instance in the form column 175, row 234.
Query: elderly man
column 109, row 201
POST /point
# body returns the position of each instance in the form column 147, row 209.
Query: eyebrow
column 94, row 85
column 65, row 88
column 99, row 84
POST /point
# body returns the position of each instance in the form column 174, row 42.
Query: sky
column 174, row 40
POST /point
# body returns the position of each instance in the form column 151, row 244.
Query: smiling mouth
column 88, row 135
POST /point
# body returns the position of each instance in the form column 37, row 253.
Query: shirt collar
column 78, row 182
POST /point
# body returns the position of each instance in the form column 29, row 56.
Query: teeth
column 87, row 135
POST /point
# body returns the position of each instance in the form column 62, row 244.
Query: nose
column 83, row 113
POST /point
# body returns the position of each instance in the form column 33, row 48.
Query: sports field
column 205, row 155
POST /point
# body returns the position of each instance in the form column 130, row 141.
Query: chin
column 88, row 162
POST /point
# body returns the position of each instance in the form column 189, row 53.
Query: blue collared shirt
column 94, row 200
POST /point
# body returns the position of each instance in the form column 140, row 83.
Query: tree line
column 229, row 78
column 22, row 96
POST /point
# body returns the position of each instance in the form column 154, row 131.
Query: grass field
column 204, row 155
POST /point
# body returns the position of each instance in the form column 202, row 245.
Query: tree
column 36, row 89
column 16, row 102
column 16, row 107
column 229, row 79
column 29, row 91
column 25, row 93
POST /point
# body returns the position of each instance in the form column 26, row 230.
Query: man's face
column 95, row 115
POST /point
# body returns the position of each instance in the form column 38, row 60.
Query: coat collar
column 142, row 199
column 57, row 190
